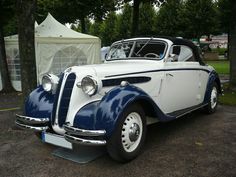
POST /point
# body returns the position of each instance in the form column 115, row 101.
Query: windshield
column 145, row 49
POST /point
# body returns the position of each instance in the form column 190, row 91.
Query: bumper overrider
column 85, row 137
column 32, row 123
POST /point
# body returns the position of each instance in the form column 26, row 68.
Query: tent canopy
column 50, row 27
column 56, row 47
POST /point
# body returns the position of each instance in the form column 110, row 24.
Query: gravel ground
column 195, row 145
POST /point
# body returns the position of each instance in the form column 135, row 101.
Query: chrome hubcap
column 213, row 97
column 132, row 130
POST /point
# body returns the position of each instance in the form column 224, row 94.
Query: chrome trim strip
column 83, row 132
column 31, row 120
column 82, row 141
column 31, row 127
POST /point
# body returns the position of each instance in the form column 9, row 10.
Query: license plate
column 57, row 140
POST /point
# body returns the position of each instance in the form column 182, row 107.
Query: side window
column 182, row 53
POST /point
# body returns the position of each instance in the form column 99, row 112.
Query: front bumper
column 85, row 137
column 32, row 123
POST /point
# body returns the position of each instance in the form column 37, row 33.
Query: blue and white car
column 143, row 81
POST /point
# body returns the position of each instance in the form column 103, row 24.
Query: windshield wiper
column 143, row 46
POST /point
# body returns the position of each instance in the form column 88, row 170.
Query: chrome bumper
column 85, row 137
column 32, row 123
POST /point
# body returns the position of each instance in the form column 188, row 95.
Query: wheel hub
column 134, row 132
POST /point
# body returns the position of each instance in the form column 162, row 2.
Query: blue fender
column 105, row 113
column 213, row 78
column 39, row 103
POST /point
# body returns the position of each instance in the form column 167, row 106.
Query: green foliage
column 109, row 29
column 168, row 20
column 124, row 22
column 146, row 19
column 199, row 17
column 220, row 51
column 7, row 17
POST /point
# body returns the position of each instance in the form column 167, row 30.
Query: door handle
column 168, row 74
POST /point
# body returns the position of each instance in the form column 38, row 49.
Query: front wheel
column 128, row 138
column 213, row 101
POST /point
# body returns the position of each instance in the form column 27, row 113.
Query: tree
column 77, row 10
column 227, row 10
column 26, row 18
column 199, row 18
column 109, row 29
column 6, row 14
column 124, row 22
column 168, row 19
column 147, row 19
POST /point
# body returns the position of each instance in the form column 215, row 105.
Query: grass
column 221, row 51
column 222, row 67
column 229, row 95
column 229, row 98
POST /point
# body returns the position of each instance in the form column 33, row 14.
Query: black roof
column 181, row 41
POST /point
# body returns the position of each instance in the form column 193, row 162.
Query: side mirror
column 172, row 57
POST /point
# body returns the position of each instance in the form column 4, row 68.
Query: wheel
column 213, row 101
column 128, row 138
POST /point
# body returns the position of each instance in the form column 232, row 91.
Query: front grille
column 65, row 99
column 54, row 109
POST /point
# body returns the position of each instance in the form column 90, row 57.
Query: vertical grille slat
column 65, row 99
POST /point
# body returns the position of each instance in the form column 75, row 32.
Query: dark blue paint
column 39, row 103
column 213, row 78
column 159, row 70
column 65, row 98
column 104, row 114
column 131, row 80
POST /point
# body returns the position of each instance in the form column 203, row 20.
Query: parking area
column 195, row 145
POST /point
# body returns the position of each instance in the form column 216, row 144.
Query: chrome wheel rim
column 213, row 97
column 132, row 130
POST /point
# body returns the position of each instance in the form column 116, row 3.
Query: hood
column 116, row 68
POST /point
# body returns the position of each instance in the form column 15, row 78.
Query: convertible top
column 179, row 41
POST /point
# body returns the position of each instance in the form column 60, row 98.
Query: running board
column 185, row 111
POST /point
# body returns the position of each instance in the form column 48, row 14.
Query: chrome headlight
column 89, row 85
column 49, row 82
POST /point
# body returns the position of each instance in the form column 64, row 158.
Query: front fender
column 39, row 103
column 105, row 113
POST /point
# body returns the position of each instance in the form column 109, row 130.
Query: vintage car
column 143, row 81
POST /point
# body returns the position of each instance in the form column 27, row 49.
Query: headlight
column 89, row 85
column 49, row 82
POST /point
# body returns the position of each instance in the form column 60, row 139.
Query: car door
column 180, row 82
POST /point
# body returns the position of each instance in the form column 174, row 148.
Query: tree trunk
column 83, row 28
column 232, row 48
column 6, row 82
column 26, row 19
column 135, row 21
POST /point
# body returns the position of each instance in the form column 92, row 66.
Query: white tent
column 57, row 47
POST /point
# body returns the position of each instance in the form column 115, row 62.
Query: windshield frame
column 144, row 40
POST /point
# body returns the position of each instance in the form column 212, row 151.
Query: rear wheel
column 213, row 100
column 128, row 138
